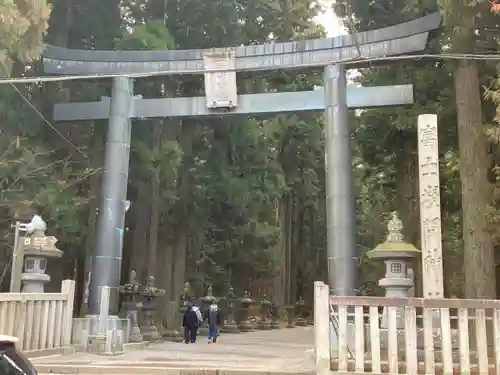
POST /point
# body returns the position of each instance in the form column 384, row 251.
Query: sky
column 329, row 20
column 334, row 27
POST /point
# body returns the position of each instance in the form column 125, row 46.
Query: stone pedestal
column 34, row 280
column 300, row 311
column 264, row 324
column 310, row 318
column 230, row 326
column 289, row 316
column 275, row 316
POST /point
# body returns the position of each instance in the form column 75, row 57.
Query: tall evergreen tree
column 22, row 26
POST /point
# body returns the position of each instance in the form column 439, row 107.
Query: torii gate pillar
column 340, row 219
column 107, row 260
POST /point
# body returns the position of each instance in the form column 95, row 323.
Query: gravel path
column 284, row 350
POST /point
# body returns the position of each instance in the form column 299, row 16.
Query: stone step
column 164, row 369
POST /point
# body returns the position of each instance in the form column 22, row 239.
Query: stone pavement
column 273, row 351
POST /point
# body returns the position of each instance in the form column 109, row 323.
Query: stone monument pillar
column 396, row 255
column 37, row 249
column 430, row 206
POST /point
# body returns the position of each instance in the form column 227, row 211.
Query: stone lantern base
column 263, row 324
column 230, row 326
column 300, row 322
column 34, row 282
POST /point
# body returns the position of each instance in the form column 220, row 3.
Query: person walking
column 214, row 318
column 190, row 323
column 198, row 314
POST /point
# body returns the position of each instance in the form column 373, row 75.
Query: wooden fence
column 437, row 336
column 38, row 320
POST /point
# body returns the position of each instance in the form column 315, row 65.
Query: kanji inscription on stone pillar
column 430, row 206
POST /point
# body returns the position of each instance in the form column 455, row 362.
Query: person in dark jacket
column 190, row 323
column 214, row 317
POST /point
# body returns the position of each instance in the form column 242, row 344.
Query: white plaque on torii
column 220, row 86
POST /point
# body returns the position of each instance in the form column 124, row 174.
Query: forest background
column 241, row 201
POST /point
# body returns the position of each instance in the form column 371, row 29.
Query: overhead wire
column 40, row 114
column 352, row 60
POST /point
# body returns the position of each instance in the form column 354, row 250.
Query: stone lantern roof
column 38, row 244
column 394, row 246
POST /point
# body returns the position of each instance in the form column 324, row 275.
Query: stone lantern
column 245, row 302
column 397, row 255
column 132, row 305
column 206, row 301
column 37, row 249
column 230, row 325
column 150, row 293
column 300, row 312
column 265, row 312
column 275, row 315
column 290, row 310
column 177, row 334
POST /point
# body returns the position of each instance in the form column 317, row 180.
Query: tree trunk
column 164, row 281
column 182, row 230
column 282, row 279
column 407, row 186
column 95, row 185
column 179, row 263
column 165, row 253
column 139, row 253
column 296, row 274
column 479, row 261
column 155, row 207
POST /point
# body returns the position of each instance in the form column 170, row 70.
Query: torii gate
column 221, row 99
